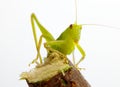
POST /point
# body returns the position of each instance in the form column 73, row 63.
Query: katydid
column 65, row 43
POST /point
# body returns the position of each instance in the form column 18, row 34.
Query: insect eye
column 71, row 26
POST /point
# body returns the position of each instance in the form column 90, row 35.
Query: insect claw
column 35, row 61
column 76, row 66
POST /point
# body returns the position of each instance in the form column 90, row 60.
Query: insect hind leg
column 38, row 52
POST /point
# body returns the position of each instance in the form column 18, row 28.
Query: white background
column 101, row 44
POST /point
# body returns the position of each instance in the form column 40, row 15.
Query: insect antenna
column 102, row 25
column 75, row 11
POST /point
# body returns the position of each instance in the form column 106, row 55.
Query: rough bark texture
column 72, row 78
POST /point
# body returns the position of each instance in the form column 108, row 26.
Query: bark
column 72, row 78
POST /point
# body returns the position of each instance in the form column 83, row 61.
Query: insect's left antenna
column 75, row 11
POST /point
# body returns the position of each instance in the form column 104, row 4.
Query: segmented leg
column 38, row 47
column 37, row 44
column 38, row 53
column 55, row 43
column 82, row 52
column 45, row 34
column 73, row 58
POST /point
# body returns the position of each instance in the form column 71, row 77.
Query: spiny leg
column 82, row 52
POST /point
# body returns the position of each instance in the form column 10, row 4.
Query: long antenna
column 101, row 25
column 75, row 11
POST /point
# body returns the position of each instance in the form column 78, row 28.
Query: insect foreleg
column 82, row 52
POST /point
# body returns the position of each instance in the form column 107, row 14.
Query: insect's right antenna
column 101, row 25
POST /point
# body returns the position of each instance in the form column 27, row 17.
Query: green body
column 65, row 43
column 70, row 37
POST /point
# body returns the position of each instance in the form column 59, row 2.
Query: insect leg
column 38, row 47
column 38, row 52
column 73, row 57
column 82, row 52
column 47, row 35
column 56, row 45
column 37, row 44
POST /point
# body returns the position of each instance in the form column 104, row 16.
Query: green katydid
column 65, row 43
